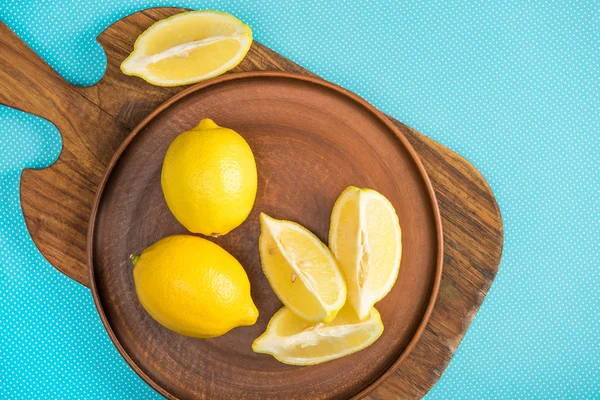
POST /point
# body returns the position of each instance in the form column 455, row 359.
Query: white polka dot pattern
column 52, row 343
column 512, row 86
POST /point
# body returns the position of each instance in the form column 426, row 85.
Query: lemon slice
column 365, row 237
column 301, row 270
column 189, row 47
column 292, row 340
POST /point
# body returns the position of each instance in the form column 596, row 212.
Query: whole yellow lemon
column 209, row 179
column 193, row 287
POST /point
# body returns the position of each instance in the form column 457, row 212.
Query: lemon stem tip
column 206, row 124
column 134, row 258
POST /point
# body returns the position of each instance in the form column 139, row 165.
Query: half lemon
column 189, row 47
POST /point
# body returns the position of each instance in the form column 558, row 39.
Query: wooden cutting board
column 93, row 122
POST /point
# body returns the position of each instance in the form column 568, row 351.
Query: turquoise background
column 512, row 86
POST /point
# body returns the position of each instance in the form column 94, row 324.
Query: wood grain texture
column 94, row 121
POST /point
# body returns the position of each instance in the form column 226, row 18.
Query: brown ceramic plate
column 311, row 140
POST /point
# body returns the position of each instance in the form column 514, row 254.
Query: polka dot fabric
column 52, row 343
column 512, row 86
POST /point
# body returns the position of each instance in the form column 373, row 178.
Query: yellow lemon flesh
column 209, row 179
column 295, row 341
column 189, row 47
column 301, row 270
column 193, row 287
column 365, row 237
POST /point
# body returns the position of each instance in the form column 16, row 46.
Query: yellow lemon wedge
column 295, row 341
column 301, row 270
column 366, row 239
column 189, row 47
column 193, row 287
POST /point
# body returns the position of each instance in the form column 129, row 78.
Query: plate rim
column 268, row 74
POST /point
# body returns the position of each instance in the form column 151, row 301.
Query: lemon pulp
column 292, row 340
column 365, row 237
column 301, row 270
column 189, row 47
